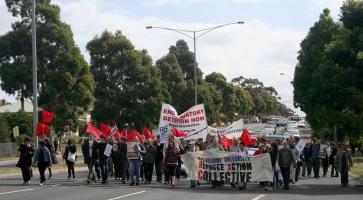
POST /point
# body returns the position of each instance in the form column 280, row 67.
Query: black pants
column 70, row 166
column 25, row 173
column 42, row 167
column 117, row 168
column 159, row 170
column 285, row 171
column 124, row 168
column 178, row 170
column 97, row 169
column 334, row 167
column 344, row 177
column 148, row 171
column 316, row 166
column 325, row 165
column 104, row 169
column 306, row 167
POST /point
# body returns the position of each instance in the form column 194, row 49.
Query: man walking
column 285, row 159
column 315, row 160
column 90, row 154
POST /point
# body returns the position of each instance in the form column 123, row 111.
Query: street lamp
column 35, row 79
column 196, row 34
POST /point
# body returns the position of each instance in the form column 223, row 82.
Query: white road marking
column 259, row 197
column 56, row 185
column 127, row 195
column 15, row 191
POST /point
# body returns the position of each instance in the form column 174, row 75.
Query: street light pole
column 194, row 37
column 35, row 88
column 195, row 72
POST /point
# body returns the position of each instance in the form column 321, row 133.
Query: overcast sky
column 264, row 47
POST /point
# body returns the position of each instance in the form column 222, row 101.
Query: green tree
column 65, row 82
column 4, row 131
column 328, row 77
column 128, row 87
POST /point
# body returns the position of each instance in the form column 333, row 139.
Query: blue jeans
column 134, row 170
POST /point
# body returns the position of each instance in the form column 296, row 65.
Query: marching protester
column 296, row 157
column 50, row 147
column 325, row 161
column 159, row 159
column 243, row 151
column 344, row 163
column 25, row 159
column 275, row 166
column 332, row 159
column 124, row 164
column 104, row 154
column 148, row 160
column 306, row 153
column 261, row 149
column 43, row 159
column 70, row 157
column 201, row 145
column 215, row 147
column 171, row 160
column 315, row 160
column 285, row 159
column 135, row 160
column 90, row 154
column 192, row 147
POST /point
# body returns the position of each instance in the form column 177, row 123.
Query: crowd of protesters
column 109, row 157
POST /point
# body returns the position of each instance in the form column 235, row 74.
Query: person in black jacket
column 159, row 159
column 148, row 160
column 25, row 160
column 119, row 155
column 90, row 155
column 285, row 159
column 104, row 158
column 50, row 146
column 70, row 157
column 332, row 160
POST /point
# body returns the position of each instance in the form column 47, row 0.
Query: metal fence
column 8, row 149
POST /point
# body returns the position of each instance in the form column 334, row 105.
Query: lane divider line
column 259, row 197
column 127, row 195
column 15, row 191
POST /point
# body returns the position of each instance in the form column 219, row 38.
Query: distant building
column 6, row 107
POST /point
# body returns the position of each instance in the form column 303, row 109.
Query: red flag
column 105, row 129
column 246, row 138
column 42, row 129
column 178, row 133
column 123, row 133
column 91, row 129
column 47, row 117
column 147, row 133
column 227, row 143
column 117, row 134
column 132, row 134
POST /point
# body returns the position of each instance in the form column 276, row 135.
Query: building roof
column 16, row 106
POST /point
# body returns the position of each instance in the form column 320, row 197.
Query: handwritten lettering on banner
column 228, row 167
column 193, row 122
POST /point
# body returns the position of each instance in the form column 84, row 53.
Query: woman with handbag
column 70, row 157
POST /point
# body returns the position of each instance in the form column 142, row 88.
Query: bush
column 4, row 131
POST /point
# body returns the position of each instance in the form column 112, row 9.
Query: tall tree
column 128, row 87
column 65, row 82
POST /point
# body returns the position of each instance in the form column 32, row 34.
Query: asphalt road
column 59, row 188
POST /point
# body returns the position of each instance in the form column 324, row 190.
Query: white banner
column 193, row 122
column 233, row 130
column 229, row 167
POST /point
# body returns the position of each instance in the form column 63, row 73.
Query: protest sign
column 193, row 122
column 108, row 150
column 228, row 167
column 16, row 131
column 233, row 130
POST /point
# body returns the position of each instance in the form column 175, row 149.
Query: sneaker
column 27, row 183
column 123, row 182
column 41, row 184
column 24, row 183
column 265, row 188
column 137, row 183
column 132, row 183
column 269, row 189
